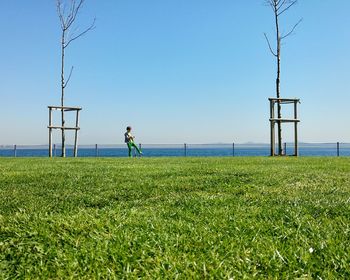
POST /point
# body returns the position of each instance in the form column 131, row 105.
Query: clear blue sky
column 195, row 71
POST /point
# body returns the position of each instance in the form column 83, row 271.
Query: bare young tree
column 68, row 11
column 279, row 7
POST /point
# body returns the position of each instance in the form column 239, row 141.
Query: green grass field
column 165, row 218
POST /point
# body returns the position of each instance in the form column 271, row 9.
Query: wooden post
column 50, row 132
column 296, row 149
column 272, row 127
column 185, row 147
column 96, row 150
column 140, row 148
column 15, row 150
column 285, row 148
column 63, row 146
column 76, row 134
column 233, row 149
column 338, row 149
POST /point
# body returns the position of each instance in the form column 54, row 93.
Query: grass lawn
column 165, row 218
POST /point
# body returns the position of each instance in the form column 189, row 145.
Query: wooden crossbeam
column 65, row 108
column 290, row 100
column 285, row 120
column 65, row 127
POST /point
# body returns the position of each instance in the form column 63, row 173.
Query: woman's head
column 128, row 128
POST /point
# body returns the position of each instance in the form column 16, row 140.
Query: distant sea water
column 167, row 150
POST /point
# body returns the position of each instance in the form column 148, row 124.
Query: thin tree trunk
column 67, row 13
column 278, row 93
column 62, row 96
column 279, row 7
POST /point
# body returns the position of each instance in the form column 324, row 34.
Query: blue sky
column 195, row 71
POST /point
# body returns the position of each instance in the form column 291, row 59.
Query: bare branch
column 70, row 75
column 279, row 5
column 290, row 32
column 270, row 4
column 292, row 3
column 268, row 42
column 73, row 12
column 91, row 27
column 60, row 14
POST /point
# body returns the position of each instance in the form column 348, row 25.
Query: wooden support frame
column 76, row 128
column 273, row 121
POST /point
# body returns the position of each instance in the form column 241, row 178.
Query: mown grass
column 165, row 218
